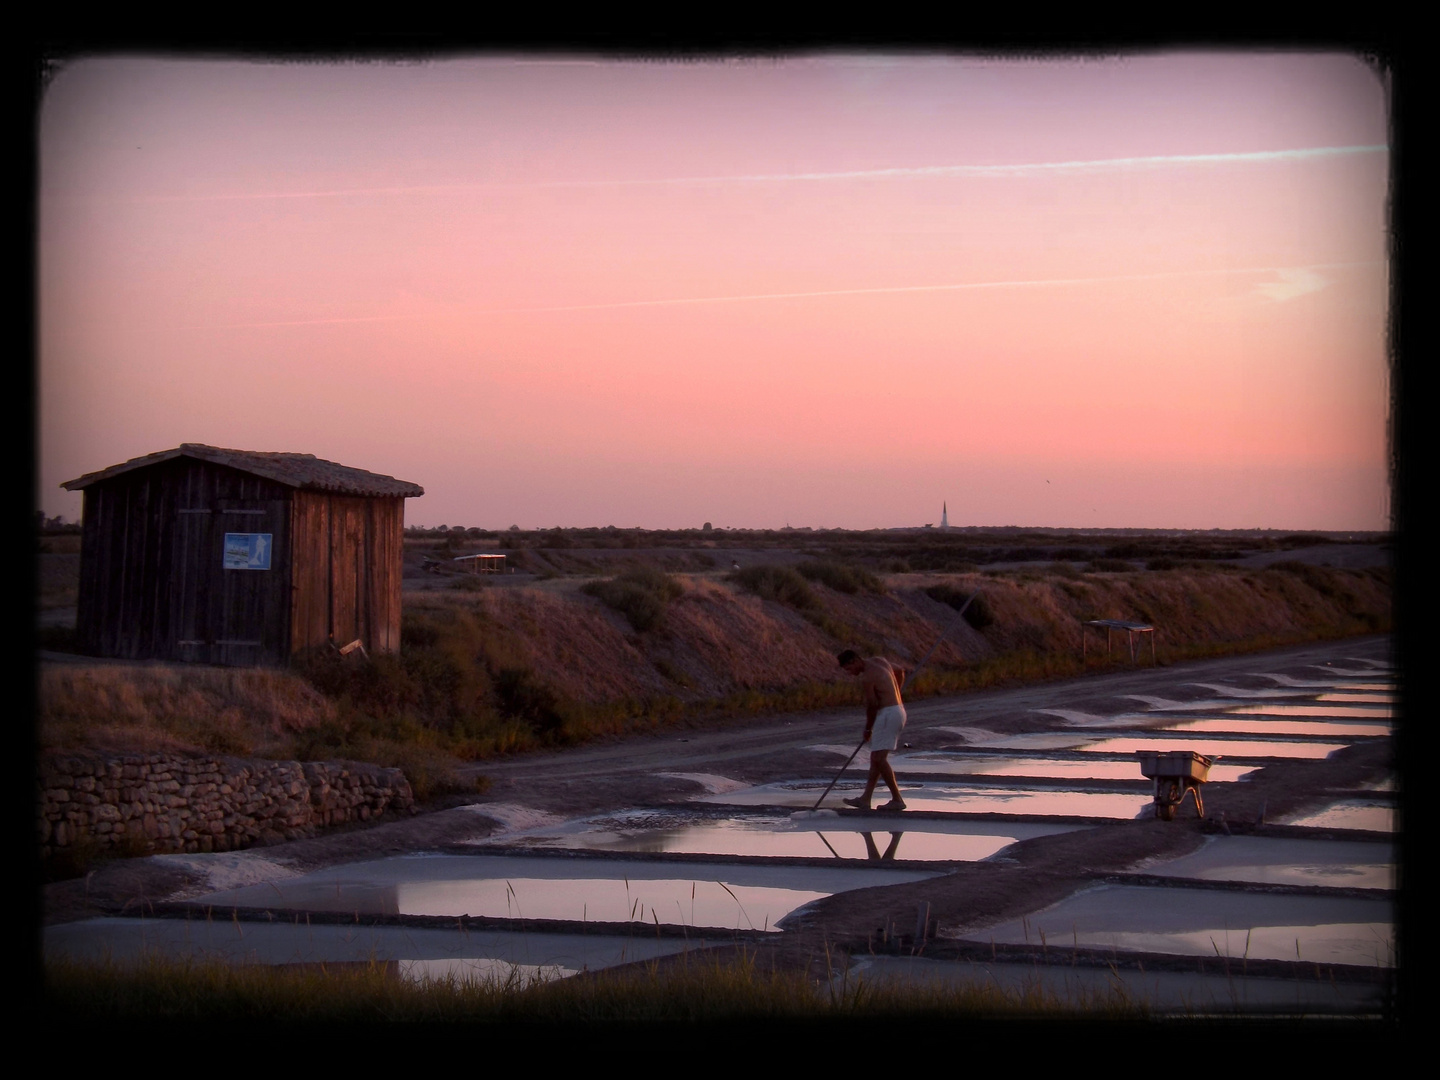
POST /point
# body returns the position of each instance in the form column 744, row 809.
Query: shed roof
column 304, row 471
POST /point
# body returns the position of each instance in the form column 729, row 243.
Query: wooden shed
column 238, row 557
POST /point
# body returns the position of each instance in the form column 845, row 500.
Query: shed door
column 190, row 597
column 251, row 613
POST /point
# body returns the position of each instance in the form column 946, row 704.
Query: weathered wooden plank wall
column 152, row 580
column 347, row 561
column 310, row 563
column 388, row 532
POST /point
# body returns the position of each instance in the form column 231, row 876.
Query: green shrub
column 524, row 697
column 640, row 595
column 655, row 581
column 642, row 608
column 674, row 674
column 978, row 614
column 438, row 697
column 841, row 577
column 1115, row 566
column 1130, row 550
column 779, row 583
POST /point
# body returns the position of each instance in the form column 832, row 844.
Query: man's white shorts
column 885, row 735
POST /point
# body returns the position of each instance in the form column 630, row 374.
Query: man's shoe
column 859, row 802
column 893, row 804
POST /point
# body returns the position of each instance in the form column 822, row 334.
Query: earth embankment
column 484, row 671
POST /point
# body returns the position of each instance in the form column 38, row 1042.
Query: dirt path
column 614, row 773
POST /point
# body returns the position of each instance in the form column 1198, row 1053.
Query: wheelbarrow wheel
column 1167, row 799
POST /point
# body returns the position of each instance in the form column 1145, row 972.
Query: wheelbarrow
column 1176, row 773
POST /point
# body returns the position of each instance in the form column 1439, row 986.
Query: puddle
column 1208, row 922
column 1229, row 748
column 1277, row 861
column 495, row 886
column 1348, row 814
column 1075, row 718
column 1040, row 768
column 1245, row 692
column 1125, row 744
column 1327, row 684
column 417, row 952
column 1346, row 712
column 821, row 837
column 1039, row 740
column 948, row 798
column 972, row 735
column 1159, row 704
column 1284, row 727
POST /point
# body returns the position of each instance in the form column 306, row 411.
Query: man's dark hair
column 849, row 656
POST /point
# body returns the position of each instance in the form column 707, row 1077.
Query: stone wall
column 157, row 802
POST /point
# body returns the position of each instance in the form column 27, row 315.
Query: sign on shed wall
column 247, row 551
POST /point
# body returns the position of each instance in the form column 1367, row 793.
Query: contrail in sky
column 1032, row 169
column 868, row 291
column 932, row 288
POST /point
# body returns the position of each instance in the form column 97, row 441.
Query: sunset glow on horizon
column 828, row 291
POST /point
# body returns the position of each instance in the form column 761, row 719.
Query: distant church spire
column 944, row 516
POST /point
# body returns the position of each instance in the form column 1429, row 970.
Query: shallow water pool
column 820, row 836
column 1217, row 748
column 1332, row 709
column 1043, row 768
column 415, row 952
column 950, row 798
column 1208, row 922
column 521, row 887
column 1323, row 728
column 1349, row 814
column 1286, row 861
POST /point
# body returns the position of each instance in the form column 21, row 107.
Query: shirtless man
column 884, row 718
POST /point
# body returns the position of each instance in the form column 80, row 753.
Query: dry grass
column 501, row 670
column 693, row 991
column 153, row 708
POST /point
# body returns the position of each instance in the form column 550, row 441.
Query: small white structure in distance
column 483, row 564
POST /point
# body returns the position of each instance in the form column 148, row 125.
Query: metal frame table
column 1132, row 631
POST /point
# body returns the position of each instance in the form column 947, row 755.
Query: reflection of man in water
column 884, row 719
column 872, row 852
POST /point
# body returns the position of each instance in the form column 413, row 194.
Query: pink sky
column 825, row 291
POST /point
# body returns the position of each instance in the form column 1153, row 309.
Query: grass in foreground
column 700, row 990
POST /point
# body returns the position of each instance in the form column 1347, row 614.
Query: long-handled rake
column 910, row 678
